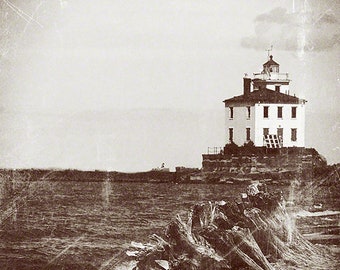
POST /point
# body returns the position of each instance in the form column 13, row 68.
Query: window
column 277, row 88
column 293, row 112
column 294, row 134
column 265, row 111
column 280, row 133
column 279, row 112
column 248, row 112
column 231, row 134
column 231, row 112
column 265, row 131
column 248, row 134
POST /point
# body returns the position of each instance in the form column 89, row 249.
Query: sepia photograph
column 169, row 135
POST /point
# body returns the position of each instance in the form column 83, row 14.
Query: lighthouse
column 266, row 114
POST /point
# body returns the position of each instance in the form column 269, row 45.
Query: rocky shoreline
column 258, row 232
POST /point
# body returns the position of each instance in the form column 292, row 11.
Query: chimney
column 246, row 86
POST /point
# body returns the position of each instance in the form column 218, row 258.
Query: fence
column 215, row 150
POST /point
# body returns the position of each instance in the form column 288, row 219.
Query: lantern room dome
column 271, row 65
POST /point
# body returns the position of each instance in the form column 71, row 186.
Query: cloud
column 298, row 31
column 277, row 15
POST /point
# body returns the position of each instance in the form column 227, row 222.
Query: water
column 83, row 225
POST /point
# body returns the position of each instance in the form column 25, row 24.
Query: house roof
column 265, row 96
column 271, row 62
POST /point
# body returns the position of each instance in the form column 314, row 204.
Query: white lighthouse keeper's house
column 266, row 114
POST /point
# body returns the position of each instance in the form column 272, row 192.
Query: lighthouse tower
column 271, row 78
column 266, row 113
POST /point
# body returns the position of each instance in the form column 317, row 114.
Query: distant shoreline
column 152, row 176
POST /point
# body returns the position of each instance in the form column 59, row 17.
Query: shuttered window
column 248, row 134
column 293, row 112
column 231, row 112
column 294, row 134
column 279, row 112
column 265, row 131
column 231, row 134
column 265, row 111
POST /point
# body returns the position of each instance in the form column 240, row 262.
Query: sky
column 128, row 85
